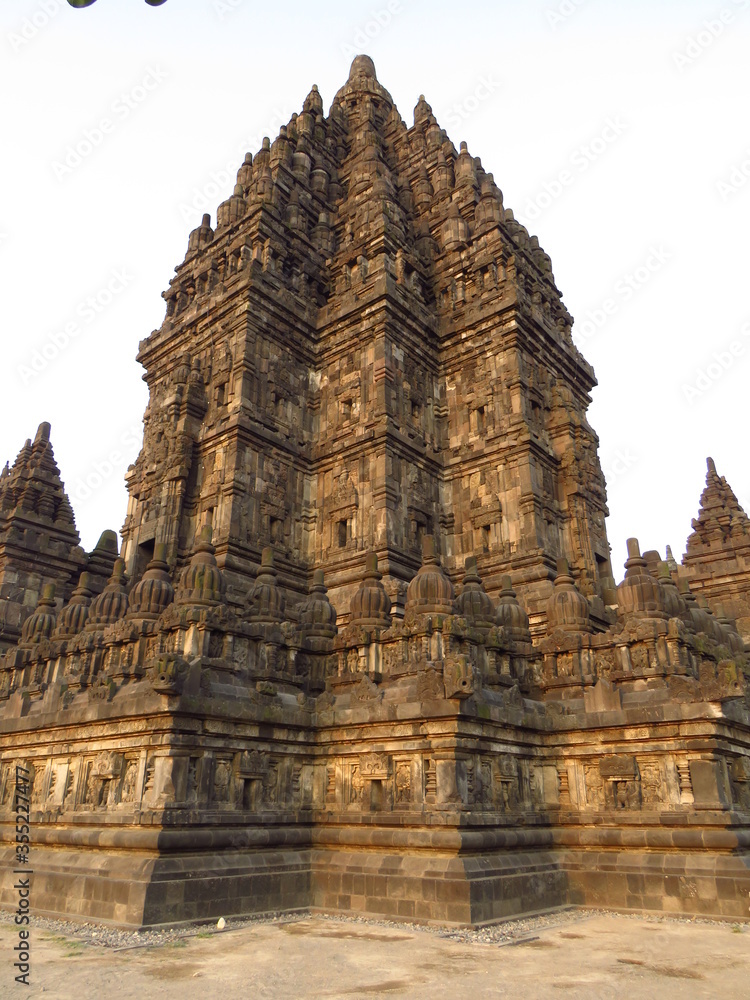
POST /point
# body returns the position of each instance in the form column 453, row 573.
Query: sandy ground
column 589, row 956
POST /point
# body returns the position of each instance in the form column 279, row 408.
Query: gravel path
column 508, row 932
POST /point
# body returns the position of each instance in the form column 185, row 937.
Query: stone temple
column 361, row 649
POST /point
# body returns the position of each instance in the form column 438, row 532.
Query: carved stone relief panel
column 621, row 782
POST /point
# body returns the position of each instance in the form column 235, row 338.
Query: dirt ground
column 587, row 957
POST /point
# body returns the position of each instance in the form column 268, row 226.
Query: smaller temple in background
column 717, row 561
column 39, row 543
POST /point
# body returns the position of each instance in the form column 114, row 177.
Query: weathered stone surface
column 366, row 377
column 38, row 536
column 717, row 561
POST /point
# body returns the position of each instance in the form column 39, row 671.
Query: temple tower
column 367, row 349
column 38, row 536
column 717, row 560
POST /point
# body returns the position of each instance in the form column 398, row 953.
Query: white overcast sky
column 618, row 132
